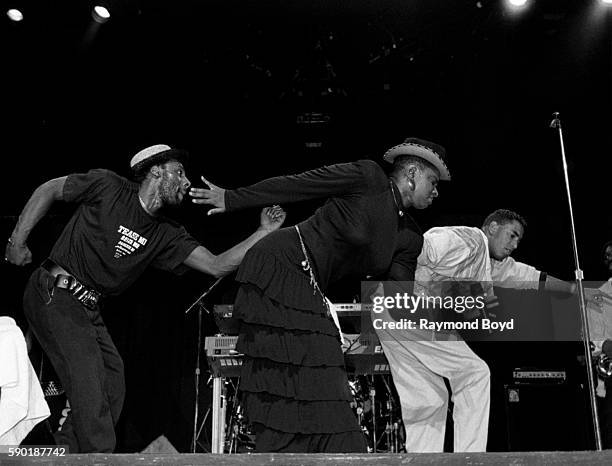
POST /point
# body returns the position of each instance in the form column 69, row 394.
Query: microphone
column 555, row 123
column 199, row 301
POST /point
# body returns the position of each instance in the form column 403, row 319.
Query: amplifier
column 351, row 309
column 225, row 311
column 223, row 359
column 547, row 417
column 366, row 364
column 220, row 345
column 537, row 376
column 349, row 314
column 363, row 354
column 222, row 313
column 362, row 343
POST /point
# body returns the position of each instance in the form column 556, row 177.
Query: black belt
column 88, row 297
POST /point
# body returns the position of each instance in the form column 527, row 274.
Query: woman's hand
column 214, row 196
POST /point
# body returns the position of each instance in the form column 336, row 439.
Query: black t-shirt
column 110, row 240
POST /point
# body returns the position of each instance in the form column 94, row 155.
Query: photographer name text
column 426, row 324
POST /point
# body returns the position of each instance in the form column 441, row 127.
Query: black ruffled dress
column 293, row 384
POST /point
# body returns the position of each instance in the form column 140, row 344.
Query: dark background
column 228, row 81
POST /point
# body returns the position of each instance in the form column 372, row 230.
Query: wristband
column 542, row 285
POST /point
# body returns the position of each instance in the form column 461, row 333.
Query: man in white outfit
column 420, row 359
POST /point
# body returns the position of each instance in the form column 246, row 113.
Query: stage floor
column 517, row 458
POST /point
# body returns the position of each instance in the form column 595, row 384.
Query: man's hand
column 596, row 297
column 18, row 254
column 272, row 218
column 214, row 196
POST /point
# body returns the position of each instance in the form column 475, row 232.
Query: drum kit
column 379, row 416
column 240, row 436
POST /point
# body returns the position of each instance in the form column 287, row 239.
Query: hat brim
column 161, row 157
column 422, row 152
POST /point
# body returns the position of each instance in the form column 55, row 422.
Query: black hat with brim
column 433, row 153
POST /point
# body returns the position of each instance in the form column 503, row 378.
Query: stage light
column 606, row 2
column 517, row 7
column 14, row 14
column 100, row 14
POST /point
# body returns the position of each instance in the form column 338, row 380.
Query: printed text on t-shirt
column 129, row 242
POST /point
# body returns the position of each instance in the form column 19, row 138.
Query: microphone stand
column 202, row 296
column 199, row 302
column 556, row 124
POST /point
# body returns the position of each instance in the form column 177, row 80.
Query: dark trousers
column 605, row 417
column 85, row 359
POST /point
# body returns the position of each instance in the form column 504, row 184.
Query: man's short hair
column 503, row 216
column 401, row 163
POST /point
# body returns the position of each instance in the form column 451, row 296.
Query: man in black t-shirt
column 117, row 231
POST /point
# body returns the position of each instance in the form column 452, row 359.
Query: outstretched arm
column 203, row 260
column 322, row 182
column 559, row 286
column 17, row 251
column 513, row 274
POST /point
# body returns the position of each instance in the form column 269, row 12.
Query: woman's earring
column 411, row 185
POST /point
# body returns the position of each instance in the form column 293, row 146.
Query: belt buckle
column 77, row 287
column 89, row 299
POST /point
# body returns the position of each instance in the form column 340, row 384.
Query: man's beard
column 169, row 193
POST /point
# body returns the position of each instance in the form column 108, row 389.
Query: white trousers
column 418, row 367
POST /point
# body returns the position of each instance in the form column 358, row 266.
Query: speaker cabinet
column 548, row 417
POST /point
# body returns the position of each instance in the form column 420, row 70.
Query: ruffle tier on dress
column 293, row 382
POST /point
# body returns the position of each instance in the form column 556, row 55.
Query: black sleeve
column 87, row 187
column 404, row 265
column 405, row 261
column 328, row 181
column 180, row 245
column 400, row 279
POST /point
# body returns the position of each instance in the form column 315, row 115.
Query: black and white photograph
column 306, row 232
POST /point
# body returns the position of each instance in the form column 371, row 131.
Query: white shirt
column 462, row 253
column 599, row 310
column 22, row 403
